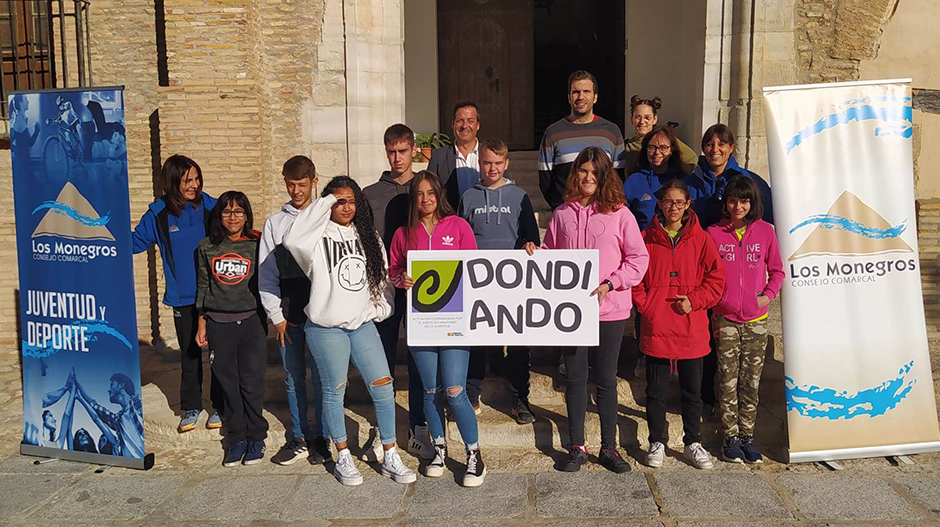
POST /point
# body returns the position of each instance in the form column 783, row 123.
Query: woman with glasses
column 595, row 216
column 644, row 115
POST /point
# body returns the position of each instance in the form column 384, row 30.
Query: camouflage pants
column 740, row 349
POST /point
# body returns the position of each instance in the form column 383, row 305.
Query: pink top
column 752, row 265
column 451, row 233
column 623, row 257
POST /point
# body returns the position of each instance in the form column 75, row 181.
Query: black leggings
column 657, row 387
column 185, row 318
column 606, row 355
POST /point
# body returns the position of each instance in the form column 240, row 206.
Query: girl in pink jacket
column 595, row 216
column 754, row 270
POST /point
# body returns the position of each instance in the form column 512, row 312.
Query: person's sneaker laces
column 577, row 456
column 418, row 443
column 476, row 470
column 522, row 413
column 375, row 453
column 731, row 450
column 698, row 456
column 435, row 468
column 234, row 454
column 255, row 453
column 291, row 453
column 612, row 460
column 215, row 421
column 189, row 420
column 395, row 469
column 751, row 454
column 320, row 453
column 345, row 470
column 656, row 455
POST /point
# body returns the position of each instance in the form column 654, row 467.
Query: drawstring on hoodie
column 673, row 366
column 499, row 206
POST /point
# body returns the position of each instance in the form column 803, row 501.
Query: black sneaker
column 255, row 453
column 751, row 454
column 435, row 468
column 612, row 460
column 731, row 450
column 476, row 470
column 320, row 451
column 291, row 453
column 576, row 457
column 234, row 454
column 522, row 413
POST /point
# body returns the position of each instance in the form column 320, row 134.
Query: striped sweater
column 561, row 144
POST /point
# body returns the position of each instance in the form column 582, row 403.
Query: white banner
column 858, row 380
column 502, row 298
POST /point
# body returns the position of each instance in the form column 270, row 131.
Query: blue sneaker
column 215, row 421
column 189, row 420
column 751, row 454
column 731, row 451
column 235, row 453
column 255, row 453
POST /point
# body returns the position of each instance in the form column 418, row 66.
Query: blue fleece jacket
column 182, row 233
column 710, row 188
column 640, row 190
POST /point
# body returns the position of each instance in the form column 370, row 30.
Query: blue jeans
column 332, row 350
column 388, row 330
column 293, row 357
column 444, row 370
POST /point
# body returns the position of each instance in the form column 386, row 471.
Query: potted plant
column 427, row 143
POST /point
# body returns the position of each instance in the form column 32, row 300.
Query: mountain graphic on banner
column 72, row 216
column 850, row 228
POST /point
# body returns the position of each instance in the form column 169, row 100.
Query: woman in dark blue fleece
column 176, row 223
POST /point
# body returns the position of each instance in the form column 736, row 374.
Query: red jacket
column 691, row 267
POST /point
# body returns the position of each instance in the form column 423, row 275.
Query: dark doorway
column 572, row 35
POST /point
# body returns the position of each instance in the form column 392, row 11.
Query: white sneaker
column 395, row 469
column 345, row 470
column 419, row 444
column 698, row 456
column 435, row 469
column 656, row 455
column 376, row 454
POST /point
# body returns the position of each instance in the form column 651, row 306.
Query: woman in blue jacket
column 176, row 223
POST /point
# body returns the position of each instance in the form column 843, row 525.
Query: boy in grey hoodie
column 501, row 217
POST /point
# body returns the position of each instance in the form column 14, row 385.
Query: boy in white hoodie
column 285, row 290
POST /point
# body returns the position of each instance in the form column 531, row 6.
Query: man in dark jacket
column 458, row 165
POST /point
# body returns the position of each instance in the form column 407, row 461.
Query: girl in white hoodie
column 333, row 240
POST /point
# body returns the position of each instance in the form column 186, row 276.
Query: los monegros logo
column 82, row 233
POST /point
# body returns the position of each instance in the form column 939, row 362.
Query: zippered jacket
column 450, row 233
column 752, row 266
column 283, row 284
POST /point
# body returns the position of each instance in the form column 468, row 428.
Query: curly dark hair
column 376, row 270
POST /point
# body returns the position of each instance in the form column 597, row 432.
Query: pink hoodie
column 615, row 235
column 451, row 233
column 747, row 265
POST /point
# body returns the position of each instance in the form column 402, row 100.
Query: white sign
column 858, row 380
column 503, row 298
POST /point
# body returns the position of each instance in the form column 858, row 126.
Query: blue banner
column 78, row 321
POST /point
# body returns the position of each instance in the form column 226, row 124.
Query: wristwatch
column 610, row 285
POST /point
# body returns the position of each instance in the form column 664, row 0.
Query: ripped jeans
column 444, row 372
column 332, row 350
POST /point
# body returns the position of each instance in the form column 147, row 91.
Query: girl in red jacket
column 748, row 247
column 685, row 278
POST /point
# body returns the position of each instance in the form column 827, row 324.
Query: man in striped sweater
column 564, row 139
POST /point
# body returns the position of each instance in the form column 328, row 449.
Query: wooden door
column 485, row 55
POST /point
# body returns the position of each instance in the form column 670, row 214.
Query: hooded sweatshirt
column 177, row 238
column 640, row 190
column 283, row 284
column 389, row 202
column 710, row 188
column 333, row 259
column 450, row 233
column 622, row 256
column 685, row 265
column 634, row 152
column 753, row 267
column 501, row 217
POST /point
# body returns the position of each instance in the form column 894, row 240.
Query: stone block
column 111, row 496
column 319, row 497
column 234, row 498
column 926, row 490
column 587, row 494
column 844, row 497
column 22, row 491
column 719, row 495
column 502, row 496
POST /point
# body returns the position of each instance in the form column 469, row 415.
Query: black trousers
column 657, row 386
column 606, row 356
column 239, row 360
column 516, row 365
column 710, row 367
column 185, row 318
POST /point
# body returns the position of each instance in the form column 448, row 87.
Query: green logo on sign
column 438, row 286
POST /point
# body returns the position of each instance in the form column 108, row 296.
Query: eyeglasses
column 233, row 213
column 663, row 149
column 677, row 203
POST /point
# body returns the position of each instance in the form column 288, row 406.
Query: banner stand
column 145, row 463
column 862, row 452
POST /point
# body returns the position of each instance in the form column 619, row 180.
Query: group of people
column 681, row 243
